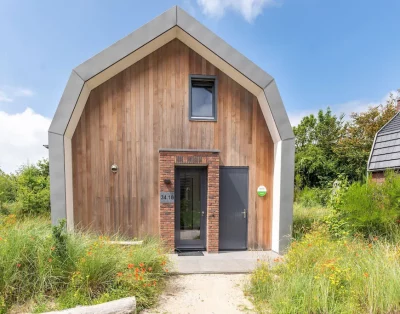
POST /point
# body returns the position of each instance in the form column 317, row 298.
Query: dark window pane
column 202, row 99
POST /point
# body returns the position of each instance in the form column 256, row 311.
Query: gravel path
column 214, row 293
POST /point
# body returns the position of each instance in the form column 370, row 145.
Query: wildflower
column 89, row 253
column 309, row 244
column 1, row 238
column 166, row 270
column 119, row 274
column 53, row 248
column 141, row 265
column 149, row 269
column 163, row 262
column 130, row 266
column 18, row 265
column 366, row 275
column 276, row 260
column 375, row 238
column 50, row 260
column 370, row 245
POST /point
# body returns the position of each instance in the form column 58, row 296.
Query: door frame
column 182, row 245
column 247, row 209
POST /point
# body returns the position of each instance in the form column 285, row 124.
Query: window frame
column 213, row 78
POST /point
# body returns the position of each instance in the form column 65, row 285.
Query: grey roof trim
column 374, row 143
column 67, row 104
column 161, row 24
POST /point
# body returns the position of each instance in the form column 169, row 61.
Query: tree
column 315, row 162
column 7, row 189
column 354, row 145
column 33, row 185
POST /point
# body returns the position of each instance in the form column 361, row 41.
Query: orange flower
column 375, row 238
column 166, row 270
column 136, row 270
column 276, row 260
column 140, row 278
column 370, row 245
column 154, row 283
column 119, row 274
column 53, row 248
column 89, row 253
column 163, row 263
column 141, row 264
column 130, row 266
column 149, row 269
column 366, row 275
column 18, row 265
column 50, row 260
column 1, row 238
column 309, row 244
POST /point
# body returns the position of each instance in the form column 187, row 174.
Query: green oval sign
column 261, row 190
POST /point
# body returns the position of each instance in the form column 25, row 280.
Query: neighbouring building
column 385, row 152
column 172, row 132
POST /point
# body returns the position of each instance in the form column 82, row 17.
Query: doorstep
column 233, row 262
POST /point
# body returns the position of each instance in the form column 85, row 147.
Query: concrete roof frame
column 174, row 23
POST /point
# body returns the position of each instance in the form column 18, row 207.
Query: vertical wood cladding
column 145, row 107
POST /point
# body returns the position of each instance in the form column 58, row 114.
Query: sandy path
column 214, row 293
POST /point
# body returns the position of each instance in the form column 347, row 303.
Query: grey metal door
column 190, row 208
column 233, row 205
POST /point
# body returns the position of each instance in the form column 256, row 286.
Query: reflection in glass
column 190, row 211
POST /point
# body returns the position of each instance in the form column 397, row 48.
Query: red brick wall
column 168, row 161
column 378, row 176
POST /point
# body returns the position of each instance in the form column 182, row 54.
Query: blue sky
column 341, row 53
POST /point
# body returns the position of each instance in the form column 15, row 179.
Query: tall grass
column 323, row 275
column 55, row 270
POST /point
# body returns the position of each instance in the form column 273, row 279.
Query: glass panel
column 202, row 100
column 190, row 214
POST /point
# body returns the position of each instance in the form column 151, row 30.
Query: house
column 172, row 132
column 385, row 152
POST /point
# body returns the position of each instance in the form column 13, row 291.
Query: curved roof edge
column 147, row 33
column 383, row 165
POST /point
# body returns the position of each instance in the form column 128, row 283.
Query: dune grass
column 49, row 269
column 324, row 274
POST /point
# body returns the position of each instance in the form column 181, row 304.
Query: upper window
column 202, row 99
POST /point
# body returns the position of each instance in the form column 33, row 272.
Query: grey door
column 190, row 208
column 233, row 204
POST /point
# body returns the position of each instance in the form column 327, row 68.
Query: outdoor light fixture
column 167, row 181
column 114, row 168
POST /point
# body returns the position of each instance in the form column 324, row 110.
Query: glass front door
column 190, row 208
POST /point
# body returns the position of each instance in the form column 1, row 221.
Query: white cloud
column 8, row 94
column 346, row 108
column 249, row 9
column 21, row 138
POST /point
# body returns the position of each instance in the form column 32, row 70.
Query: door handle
column 244, row 213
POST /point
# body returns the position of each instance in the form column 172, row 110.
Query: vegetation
column 48, row 268
column 27, row 192
column 328, row 146
column 343, row 259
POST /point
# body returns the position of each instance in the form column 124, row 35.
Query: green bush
column 371, row 208
column 312, row 197
column 324, row 275
column 53, row 269
column 33, row 189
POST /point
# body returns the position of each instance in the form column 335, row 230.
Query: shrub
column 323, row 275
column 49, row 266
column 372, row 208
column 312, row 197
column 33, row 189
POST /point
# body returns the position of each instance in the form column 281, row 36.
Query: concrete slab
column 220, row 263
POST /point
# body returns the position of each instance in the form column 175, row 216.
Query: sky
column 339, row 53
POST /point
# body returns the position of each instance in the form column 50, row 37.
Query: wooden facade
column 127, row 120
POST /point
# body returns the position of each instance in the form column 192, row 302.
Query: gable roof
column 385, row 152
column 174, row 23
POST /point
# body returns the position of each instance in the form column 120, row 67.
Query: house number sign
column 167, row 197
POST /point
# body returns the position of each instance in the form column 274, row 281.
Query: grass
column 323, row 274
column 47, row 269
column 304, row 218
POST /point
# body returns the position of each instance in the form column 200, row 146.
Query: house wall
column 144, row 108
column 378, row 176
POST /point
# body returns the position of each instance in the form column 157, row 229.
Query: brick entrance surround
column 169, row 159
